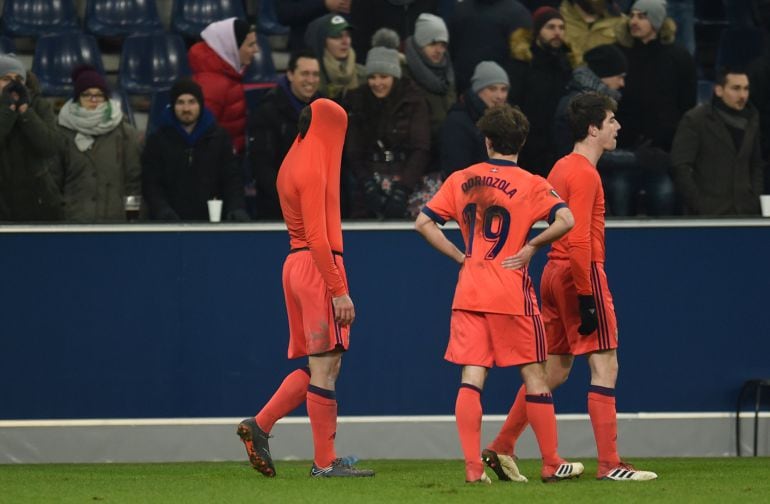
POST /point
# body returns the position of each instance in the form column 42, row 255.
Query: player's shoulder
column 573, row 166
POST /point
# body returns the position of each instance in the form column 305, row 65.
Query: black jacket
column 461, row 142
column 179, row 178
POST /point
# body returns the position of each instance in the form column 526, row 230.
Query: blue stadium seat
column 34, row 18
column 260, row 76
column 125, row 105
column 158, row 104
column 121, row 18
column 57, row 55
column 152, row 62
column 190, row 17
column 7, row 45
column 705, row 91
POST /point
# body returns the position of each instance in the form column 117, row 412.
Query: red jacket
column 222, row 91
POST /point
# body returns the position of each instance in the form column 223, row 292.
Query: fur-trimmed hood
column 666, row 35
column 520, row 44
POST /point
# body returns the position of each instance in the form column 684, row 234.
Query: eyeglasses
column 93, row 96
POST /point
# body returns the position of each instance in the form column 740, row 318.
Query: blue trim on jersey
column 329, row 394
column 552, row 213
column 605, row 391
column 502, row 162
column 433, row 215
column 541, row 399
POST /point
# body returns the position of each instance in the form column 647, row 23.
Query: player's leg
column 468, row 413
column 322, row 405
column 288, row 397
column 470, row 347
column 540, row 411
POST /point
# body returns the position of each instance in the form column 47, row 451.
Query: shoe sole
column 258, row 463
column 492, row 460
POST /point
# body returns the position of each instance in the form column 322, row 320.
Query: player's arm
column 581, row 202
column 429, row 230
column 562, row 222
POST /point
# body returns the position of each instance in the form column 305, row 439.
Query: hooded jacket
column 216, row 66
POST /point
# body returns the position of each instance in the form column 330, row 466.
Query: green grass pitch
column 681, row 480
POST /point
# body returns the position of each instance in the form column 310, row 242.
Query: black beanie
column 241, row 29
column 185, row 85
column 606, row 60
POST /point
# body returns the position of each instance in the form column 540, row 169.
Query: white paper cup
column 215, row 210
column 764, row 202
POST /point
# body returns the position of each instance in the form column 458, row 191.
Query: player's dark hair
column 588, row 109
column 296, row 55
column 722, row 72
column 303, row 123
column 506, row 127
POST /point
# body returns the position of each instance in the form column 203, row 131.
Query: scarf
column 342, row 75
column 90, row 123
column 737, row 119
column 435, row 77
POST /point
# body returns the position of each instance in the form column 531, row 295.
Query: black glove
column 374, row 196
column 20, row 89
column 588, row 318
column 395, row 207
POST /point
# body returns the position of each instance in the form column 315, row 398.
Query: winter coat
column 462, row 144
column 315, row 39
column 94, row 183
column 181, row 172
column 272, row 130
column 222, row 90
column 399, row 124
column 29, row 143
column 538, row 80
column 713, row 176
column 661, row 85
column 479, row 31
column 582, row 36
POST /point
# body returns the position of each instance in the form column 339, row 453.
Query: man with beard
column 540, row 67
column 189, row 160
column 716, row 158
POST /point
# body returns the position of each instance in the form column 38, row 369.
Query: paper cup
column 215, row 210
column 764, row 201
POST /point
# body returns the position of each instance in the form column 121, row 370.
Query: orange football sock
column 468, row 416
column 543, row 420
column 286, row 399
column 514, row 425
column 322, row 410
column 604, row 420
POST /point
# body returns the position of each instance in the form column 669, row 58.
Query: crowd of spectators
column 414, row 76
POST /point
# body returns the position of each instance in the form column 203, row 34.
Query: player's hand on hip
column 589, row 320
column 520, row 259
column 344, row 311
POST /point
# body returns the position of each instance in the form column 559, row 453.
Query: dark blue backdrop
column 192, row 324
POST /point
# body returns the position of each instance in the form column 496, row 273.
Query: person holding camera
column 28, row 142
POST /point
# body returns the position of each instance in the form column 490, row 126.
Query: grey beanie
column 655, row 10
column 429, row 29
column 486, row 74
column 9, row 63
column 383, row 60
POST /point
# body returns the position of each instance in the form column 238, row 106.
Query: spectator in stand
column 429, row 66
column 539, row 69
column 481, row 30
column 29, row 142
column 759, row 76
column 388, row 142
column 461, row 142
column 190, row 160
column 297, row 14
column 589, row 23
column 99, row 165
column 716, row 157
column 329, row 39
column 217, row 64
column 273, row 127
